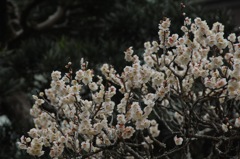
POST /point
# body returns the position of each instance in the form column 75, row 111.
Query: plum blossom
column 128, row 132
column 182, row 84
column 237, row 122
column 225, row 127
column 178, row 140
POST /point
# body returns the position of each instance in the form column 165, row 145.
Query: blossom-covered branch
column 185, row 88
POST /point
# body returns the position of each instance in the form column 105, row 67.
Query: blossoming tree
column 189, row 85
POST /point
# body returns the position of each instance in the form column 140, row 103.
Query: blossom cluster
column 188, row 85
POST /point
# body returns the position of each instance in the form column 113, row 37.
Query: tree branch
column 52, row 19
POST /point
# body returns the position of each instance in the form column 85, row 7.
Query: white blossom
column 186, row 82
column 178, row 140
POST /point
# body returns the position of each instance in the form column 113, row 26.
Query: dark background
column 39, row 36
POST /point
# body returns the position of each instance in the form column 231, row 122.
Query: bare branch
column 52, row 19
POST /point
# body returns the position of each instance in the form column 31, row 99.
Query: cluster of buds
column 185, row 86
